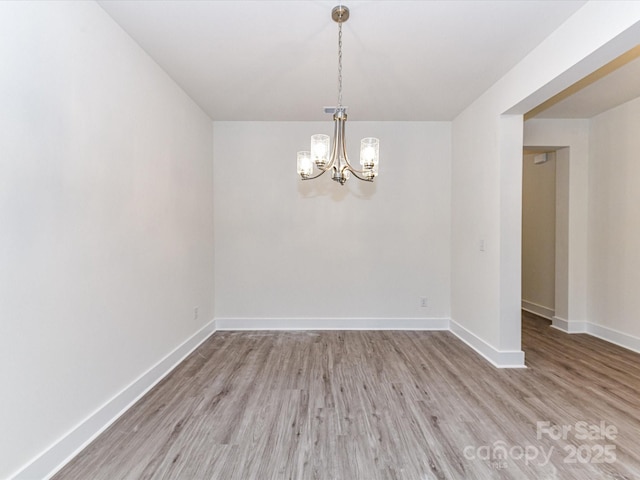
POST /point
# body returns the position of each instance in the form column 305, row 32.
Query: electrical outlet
column 424, row 302
column 196, row 311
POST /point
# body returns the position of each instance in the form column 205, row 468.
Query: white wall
column 572, row 172
column 105, row 216
column 539, row 234
column 563, row 221
column 487, row 169
column 614, row 226
column 315, row 254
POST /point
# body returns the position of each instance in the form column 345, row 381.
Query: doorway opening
column 545, row 232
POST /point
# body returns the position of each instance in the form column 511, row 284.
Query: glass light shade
column 320, row 149
column 369, row 152
column 305, row 165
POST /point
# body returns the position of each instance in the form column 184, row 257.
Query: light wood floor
column 378, row 405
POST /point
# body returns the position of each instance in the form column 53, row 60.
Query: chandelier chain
column 339, row 64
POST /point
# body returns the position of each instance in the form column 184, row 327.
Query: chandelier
column 335, row 158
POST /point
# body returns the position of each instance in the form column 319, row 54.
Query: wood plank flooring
column 354, row 405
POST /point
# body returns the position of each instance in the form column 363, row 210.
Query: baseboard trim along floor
column 60, row 453
column 498, row 358
column 605, row 333
column 333, row 323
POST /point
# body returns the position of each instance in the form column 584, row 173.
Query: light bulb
column 305, row 165
column 320, row 149
column 369, row 152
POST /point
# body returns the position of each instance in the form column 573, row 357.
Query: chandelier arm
column 356, row 172
column 326, row 168
column 322, row 172
column 341, row 141
column 335, row 154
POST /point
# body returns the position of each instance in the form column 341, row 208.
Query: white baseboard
column 53, row 459
column 560, row 323
column 537, row 309
column 616, row 337
column 500, row 359
column 271, row 323
column 569, row 326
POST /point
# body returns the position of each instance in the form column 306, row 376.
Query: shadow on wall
column 325, row 187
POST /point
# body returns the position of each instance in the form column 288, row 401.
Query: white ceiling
column 618, row 87
column 277, row 60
